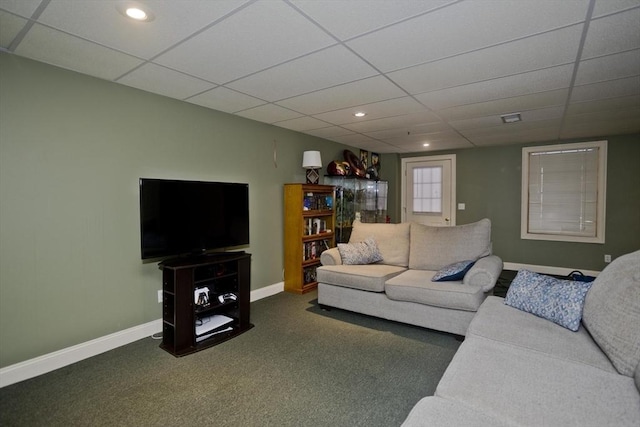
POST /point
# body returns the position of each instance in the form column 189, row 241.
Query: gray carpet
column 299, row 366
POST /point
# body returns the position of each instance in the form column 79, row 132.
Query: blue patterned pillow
column 365, row 252
column 453, row 272
column 557, row 300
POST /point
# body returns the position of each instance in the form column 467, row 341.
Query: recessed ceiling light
column 135, row 11
column 360, row 114
column 511, row 118
column 426, row 144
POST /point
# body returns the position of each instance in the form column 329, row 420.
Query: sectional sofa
column 518, row 369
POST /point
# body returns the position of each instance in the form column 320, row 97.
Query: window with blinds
column 563, row 192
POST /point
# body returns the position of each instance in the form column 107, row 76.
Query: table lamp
column 312, row 162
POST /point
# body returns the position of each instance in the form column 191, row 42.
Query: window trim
column 602, row 196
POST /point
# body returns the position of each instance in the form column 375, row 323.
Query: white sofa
column 399, row 287
column 517, row 369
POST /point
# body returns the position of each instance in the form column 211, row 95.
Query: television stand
column 205, row 300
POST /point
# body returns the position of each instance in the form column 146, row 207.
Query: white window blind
column 564, row 187
column 427, row 189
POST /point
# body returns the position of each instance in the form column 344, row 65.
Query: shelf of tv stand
column 221, row 273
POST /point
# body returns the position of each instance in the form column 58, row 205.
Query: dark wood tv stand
column 193, row 316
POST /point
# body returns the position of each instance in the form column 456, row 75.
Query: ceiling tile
column 528, row 119
column 101, row 22
column 376, row 110
column 506, row 87
column 505, row 106
column 226, row 100
column 329, row 67
column 362, row 92
column 608, row 89
column 24, row 8
column 63, row 50
column 603, row 7
column 613, row 34
column 408, row 130
column 302, row 124
column 349, row 18
column 10, row 26
column 269, row 113
column 330, row 132
column 499, row 61
column 601, row 105
column 464, row 27
column 163, row 81
column 609, row 67
column 259, row 36
column 405, row 121
column 550, row 133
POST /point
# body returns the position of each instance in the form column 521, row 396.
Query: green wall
column 72, row 149
column 489, row 183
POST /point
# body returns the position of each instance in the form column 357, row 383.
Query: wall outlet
column 607, row 258
column 159, row 295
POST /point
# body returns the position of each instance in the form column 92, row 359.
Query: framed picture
column 364, row 158
column 375, row 161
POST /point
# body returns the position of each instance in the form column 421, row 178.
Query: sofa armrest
column 331, row 257
column 484, row 273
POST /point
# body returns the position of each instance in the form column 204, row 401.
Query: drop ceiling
column 440, row 72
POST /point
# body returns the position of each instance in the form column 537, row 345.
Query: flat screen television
column 191, row 217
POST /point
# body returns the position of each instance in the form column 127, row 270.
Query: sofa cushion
column 432, row 248
column 392, row 240
column 369, row 277
column 433, row 411
column 365, row 252
column 498, row 322
column 612, row 312
column 453, row 272
column 529, row 388
column 416, row 286
column 559, row 301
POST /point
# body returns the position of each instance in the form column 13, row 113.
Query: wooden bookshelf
column 309, row 229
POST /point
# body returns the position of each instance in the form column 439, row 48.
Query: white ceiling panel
column 506, row 87
column 605, row 7
column 10, row 26
column 353, row 94
column 505, row 106
column 349, row 18
column 101, row 22
column 464, row 27
column 619, row 105
column 441, row 67
column 24, row 8
column 302, row 123
column 499, row 61
column 609, row 67
column 405, row 121
column 329, row 67
column 608, row 89
column 60, row 49
column 163, row 81
column 330, row 132
column 376, row 110
column 613, row 34
column 259, row 36
column 269, row 113
column 226, row 100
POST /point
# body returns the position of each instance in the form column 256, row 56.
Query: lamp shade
column 311, row 160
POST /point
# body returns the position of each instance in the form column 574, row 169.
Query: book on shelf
column 312, row 202
column 313, row 250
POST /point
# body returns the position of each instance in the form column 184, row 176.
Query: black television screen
column 188, row 217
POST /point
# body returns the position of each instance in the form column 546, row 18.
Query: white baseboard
column 50, row 362
column 543, row 269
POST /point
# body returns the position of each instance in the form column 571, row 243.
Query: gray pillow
column 612, row 312
column 365, row 252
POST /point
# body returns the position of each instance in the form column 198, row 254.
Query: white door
column 429, row 190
